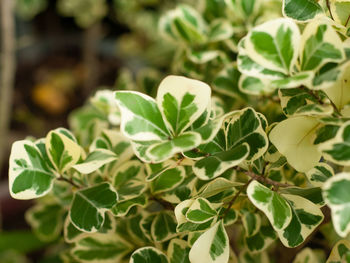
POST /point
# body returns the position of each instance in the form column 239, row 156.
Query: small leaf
column 62, row 149
column 89, row 206
column 340, row 252
column 216, row 164
column 46, row 220
column 141, row 118
column 163, row 227
column 182, row 101
column 274, row 44
column 178, row 251
column 301, row 10
column 320, row 174
column 200, row 211
column 95, row 160
column 212, row 245
column 337, row 197
column 168, row 180
column 148, row 255
column 99, row 247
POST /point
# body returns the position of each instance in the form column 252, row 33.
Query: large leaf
column 275, row 207
column 62, row 149
column 148, row 255
column 337, row 196
column 108, row 248
column 29, row 174
column 212, row 246
column 301, row 10
column 89, row 206
column 294, row 139
column 141, row 118
column 306, row 216
column 320, row 44
column 182, row 101
column 274, row 44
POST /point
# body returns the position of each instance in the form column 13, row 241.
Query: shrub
column 180, row 177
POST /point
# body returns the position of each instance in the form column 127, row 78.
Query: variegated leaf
column 275, row 207
column 148, row 255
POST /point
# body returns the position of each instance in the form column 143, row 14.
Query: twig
column 266, row 180
column 329, row 9
column 234, row 198
column 7, row 70
column 70, row 181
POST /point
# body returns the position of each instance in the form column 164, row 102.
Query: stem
column 266, row 180
column 347, row 21
column 329, row 9
column 234, row 198
column 70, row 181
column 7, row 67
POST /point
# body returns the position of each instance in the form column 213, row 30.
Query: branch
column 234, row 198
column 7, row 70
column 266, row 180
column 329, row 9
column 70, row 181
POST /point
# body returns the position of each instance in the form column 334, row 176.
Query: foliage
column 170, row 178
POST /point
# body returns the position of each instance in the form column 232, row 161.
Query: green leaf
column 212, row 245
column 313, row 194
column 29, row 173
column 62, row 149
column 219, row 30
column 299, row 79
column 274, row 44
column 108, row 248
column 46, row 220
column 340, row 252
column 129, row 180
column 182, row 101
column 306, row 216
column 275, row 207
column 123, row 207
column 141, row 118
column 255, row 86
column 216, row 186
column 210, row 129
column 261, row 240
column 216, row 164
column 72, row 234
column 320, row 44
column 301, row 10
column 245, row 126
column 178, row 251
column 89, row 206
column 337, row 197
column 168, row 180
column 337, row 149
column 200, row 211
column 95, row 160
column 163, row 227
column 294, row 139
column 148, row 255
column 226, row 82
column 165, row 150
column 307, row 255
column 320, row 174
column 251, row 223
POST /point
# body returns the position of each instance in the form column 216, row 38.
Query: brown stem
column 7, row 70
column 234, row 198
column 70, row 181
column 266, row 180
column 329, row 9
